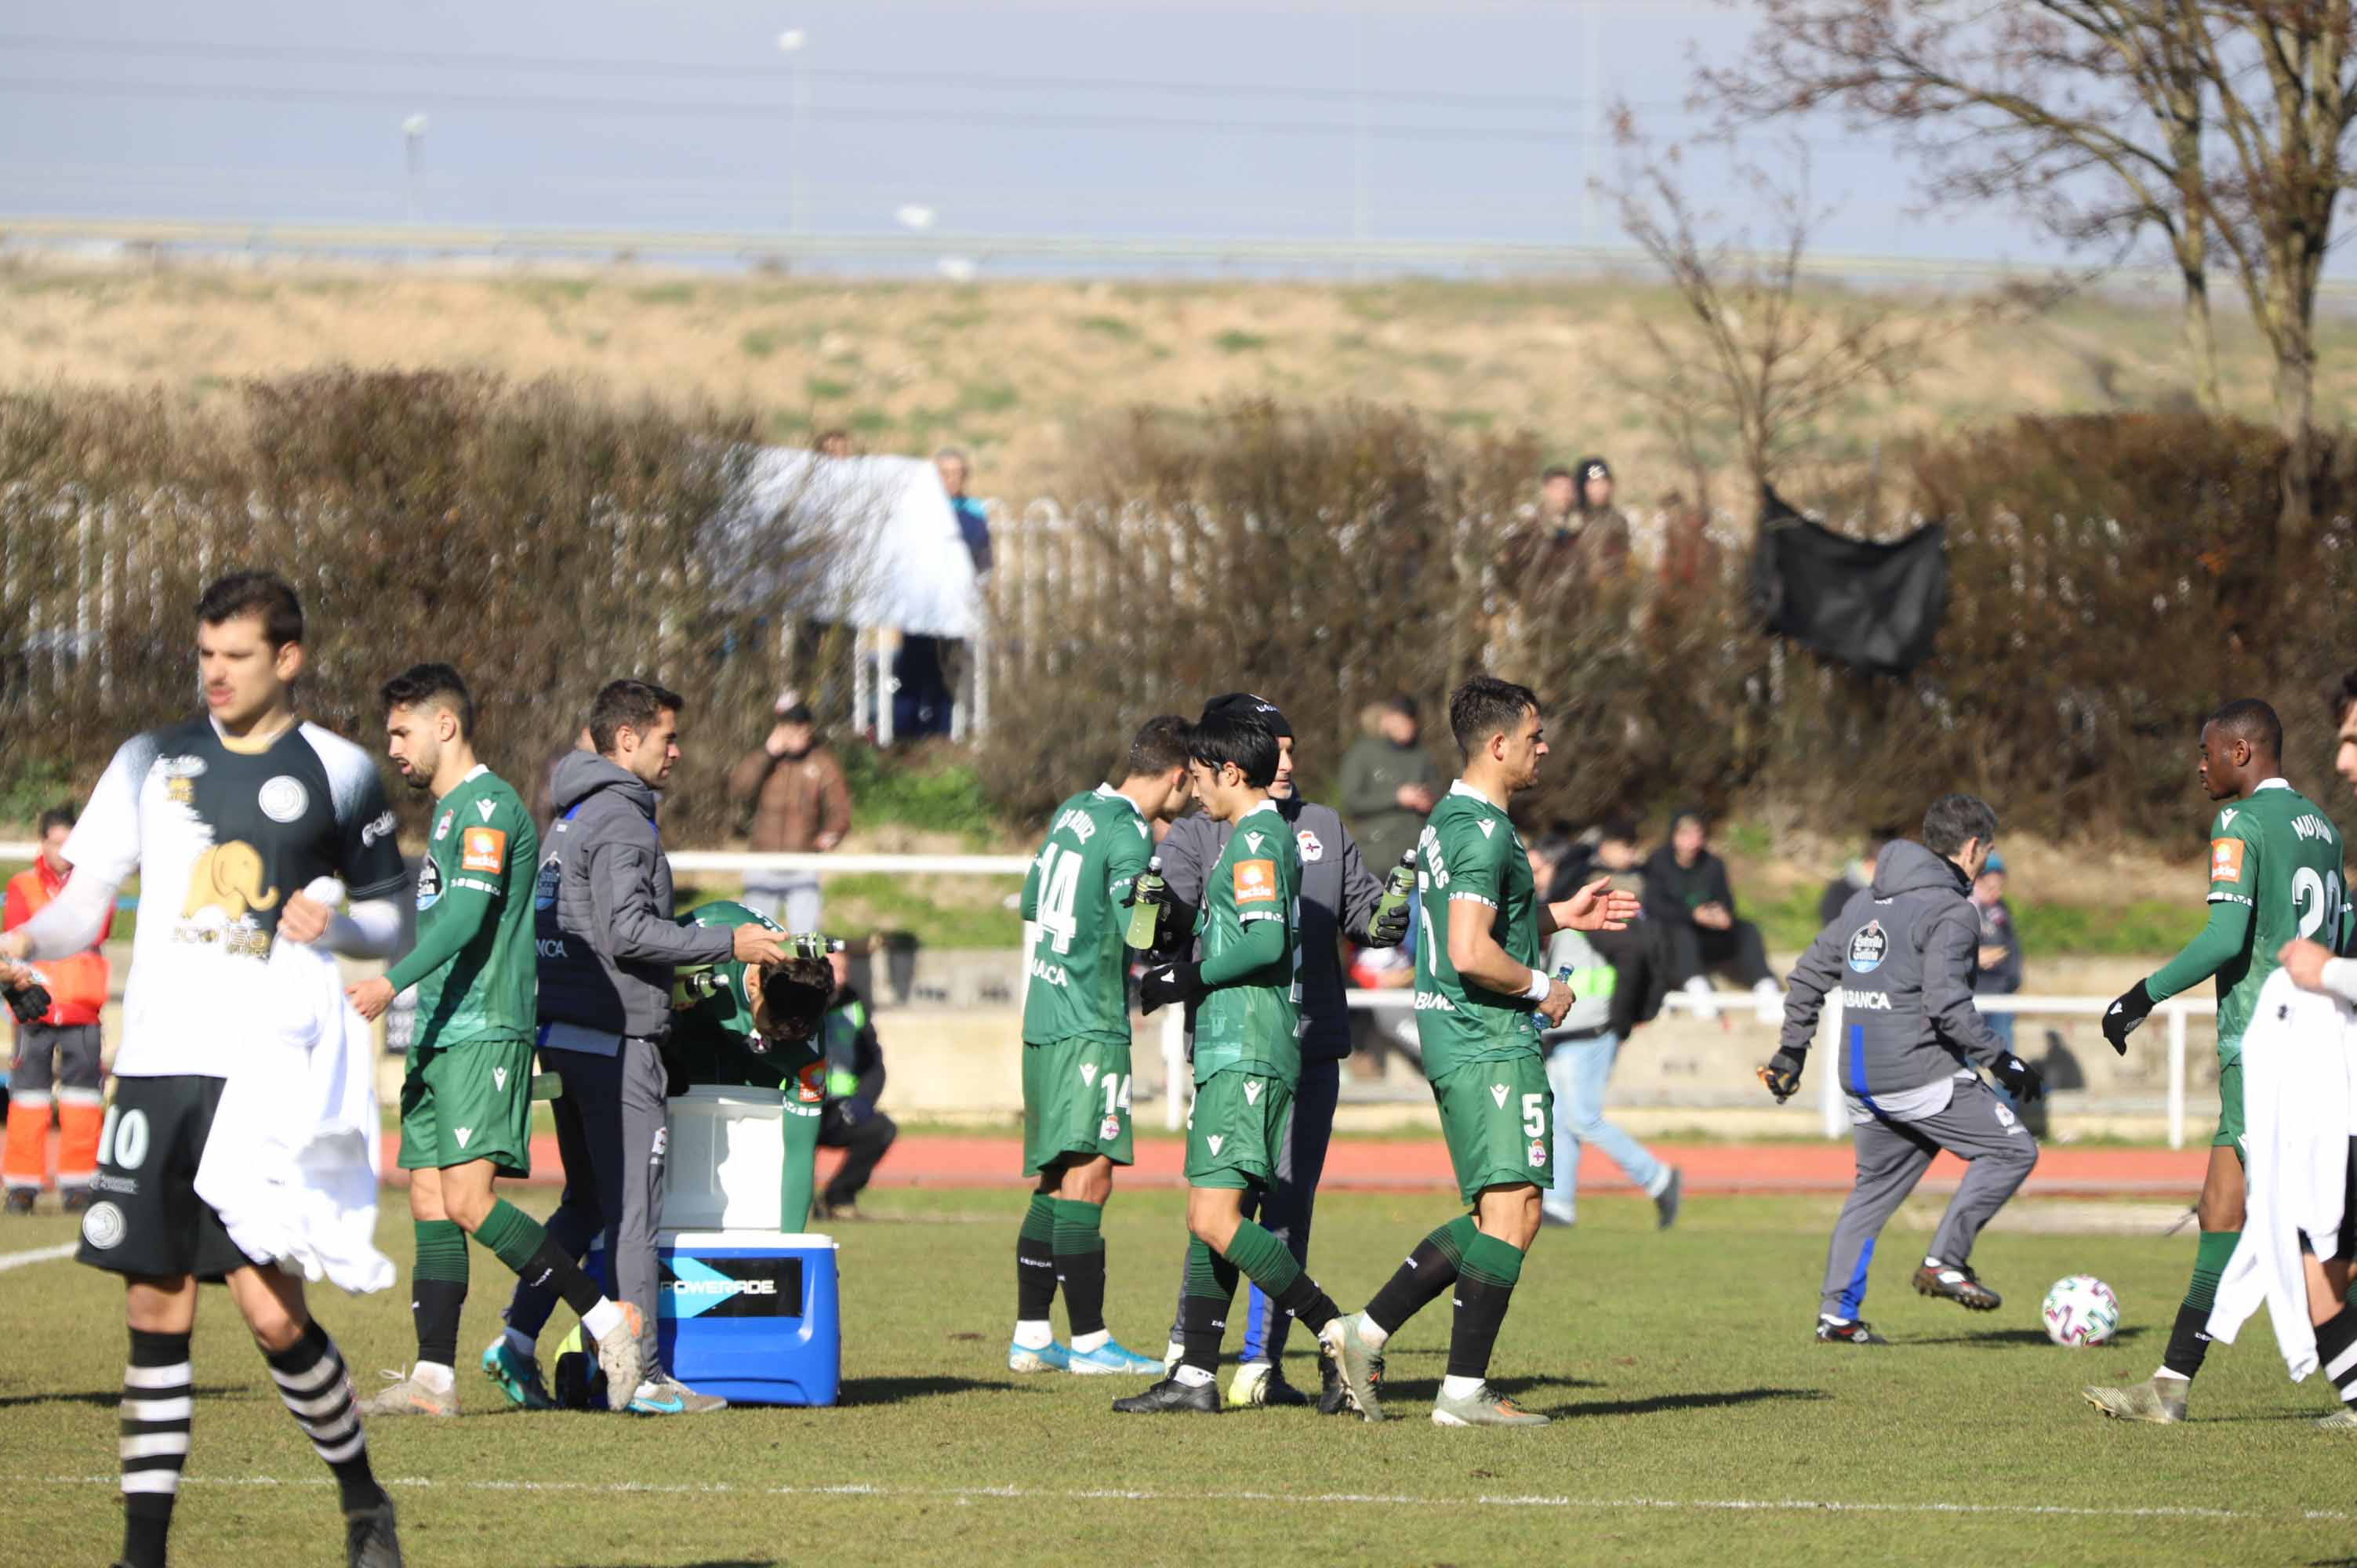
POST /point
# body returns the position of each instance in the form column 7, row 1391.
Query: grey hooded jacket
column 601, row 907
column 1902, row 954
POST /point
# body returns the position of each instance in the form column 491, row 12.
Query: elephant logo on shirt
column 227, row 877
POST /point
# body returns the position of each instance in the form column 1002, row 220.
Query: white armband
column 1540, row 984
column 2340, row 977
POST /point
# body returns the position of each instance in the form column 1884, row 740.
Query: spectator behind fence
column 1687, row 891
column 1617, row 979
column 973, row 522
column 1607, row 849
column 57, row 1058
column 1390, row 785
column 802, row 803
column 1855, row 876
column 1576, row 538
column 1998, row 971
column 854, row 1082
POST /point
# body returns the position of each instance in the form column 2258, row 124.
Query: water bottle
column 810, row 944
column 1398, row 888
column 1144, row 911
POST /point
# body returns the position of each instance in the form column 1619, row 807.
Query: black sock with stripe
column 318, row 1393
column 158, row 1397
column 2336, row 1348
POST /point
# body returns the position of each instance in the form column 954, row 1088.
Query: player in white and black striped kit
column 226, row 819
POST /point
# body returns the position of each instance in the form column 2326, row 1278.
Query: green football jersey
column 1079, row 965
column 2278, row 854
column 712, row 1013
column 1470, row 851
column 474, row 966
column 1255, row 1023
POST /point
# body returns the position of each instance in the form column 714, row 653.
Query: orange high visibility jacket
column 77, row 984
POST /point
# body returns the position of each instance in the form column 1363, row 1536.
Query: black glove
column 30, row 1003
column 1179, row 983
column 2020, row 1080
column 1389, row 931
column 2121, row 1018
column 1782, row 1075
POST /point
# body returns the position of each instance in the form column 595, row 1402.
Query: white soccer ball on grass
column 2078, row 1311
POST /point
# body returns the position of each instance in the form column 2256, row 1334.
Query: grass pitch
column 1696, row 1420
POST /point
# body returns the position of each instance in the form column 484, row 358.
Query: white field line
column 1034, row 1494
column 37, row 1255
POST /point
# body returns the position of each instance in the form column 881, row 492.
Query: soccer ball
column 2080, row 1310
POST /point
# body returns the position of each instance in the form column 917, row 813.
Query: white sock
column 1191, row 1377
column 523, row 1344
column 1375, row 1337
column 602, row 1319
column 1459, row 1387
column 1660, row 1184
column 1084, row 1342
column 1930, row 1262
column 1035, row 1334
column 1172, row 1352
column 2165, row 1373
column 434, row 1376
column 1836, row 1322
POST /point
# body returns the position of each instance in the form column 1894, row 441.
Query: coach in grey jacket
column 609, row 944
column 1339, row 895
column 1902, row 954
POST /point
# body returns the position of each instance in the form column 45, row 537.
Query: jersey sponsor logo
column 382, row 827
column 1433, row 1002
column 1253, row 842
column 2226, row 818
column 810, row 1083
column 1311, row 849
column 442, row 827
column 1868, row 948
column 1866, row 1001
column 487, row 808
column 2226, row 860
column 102, row 1226
column 483, row 849
column 225, row 886
column 1487, row 827
column 1255, row 882
column 429, row 884
column 1053, row 974
column 283, row 798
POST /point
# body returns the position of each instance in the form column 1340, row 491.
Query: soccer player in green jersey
column 756, row 1025
column 2274, row 875
column 1076, row 1049
column 1479, row 996
column 465, row 1098
column 1247, row 991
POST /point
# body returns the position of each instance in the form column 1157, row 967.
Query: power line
column 594, row 65
column 719, row 110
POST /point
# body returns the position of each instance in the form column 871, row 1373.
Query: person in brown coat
column 801, row 802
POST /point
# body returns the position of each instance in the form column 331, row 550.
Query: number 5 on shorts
column 1534, row 1116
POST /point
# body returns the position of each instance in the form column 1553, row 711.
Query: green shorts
column 2230, row 1105
column 1236, row 1128
column 468, row 1101
column 1498, row 1119
column 1075, row 1103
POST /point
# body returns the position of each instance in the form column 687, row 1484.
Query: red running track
column 1390, row 1164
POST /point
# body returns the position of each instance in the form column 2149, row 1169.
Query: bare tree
column 1758, row 357
column 2218, row 123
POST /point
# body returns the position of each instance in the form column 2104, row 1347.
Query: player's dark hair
column 1161, row 743
column 632, row 706
column 2249, row 719
column 62, row 815
column 436, row 684
column 1694, row 814
column 2339, row 695
column 794, row 995
column 1952, row 819
column 265, row 595
column 1238, row 737
column 1484, row 707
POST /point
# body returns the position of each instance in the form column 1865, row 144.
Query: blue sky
column 1118, row 119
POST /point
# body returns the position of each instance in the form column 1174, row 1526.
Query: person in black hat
column 1577, row 538
column 1339, row 893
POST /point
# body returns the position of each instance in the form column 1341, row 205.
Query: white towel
column 291, row 1165
column 2297, row 1115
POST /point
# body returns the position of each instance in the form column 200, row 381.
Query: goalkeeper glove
column 1389, row 931
column 2120, row 1020
column 1179, row 983
column 30, row 1001
column 1782, row 1075
column 2020, row 1080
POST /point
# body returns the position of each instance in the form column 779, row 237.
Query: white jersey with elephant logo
column 221, row 836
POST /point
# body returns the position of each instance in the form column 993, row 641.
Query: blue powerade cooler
column 750, row 1316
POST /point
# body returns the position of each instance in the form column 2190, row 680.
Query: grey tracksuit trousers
column 611, row 1133
column 1892, row 1156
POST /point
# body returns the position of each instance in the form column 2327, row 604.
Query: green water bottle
column 1144, row 911
column 1398, row 888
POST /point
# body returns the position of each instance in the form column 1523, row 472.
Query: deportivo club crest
column 1868, row 947
column 1311, row 849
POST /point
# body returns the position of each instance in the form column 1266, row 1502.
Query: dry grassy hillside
column 1018, row 371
